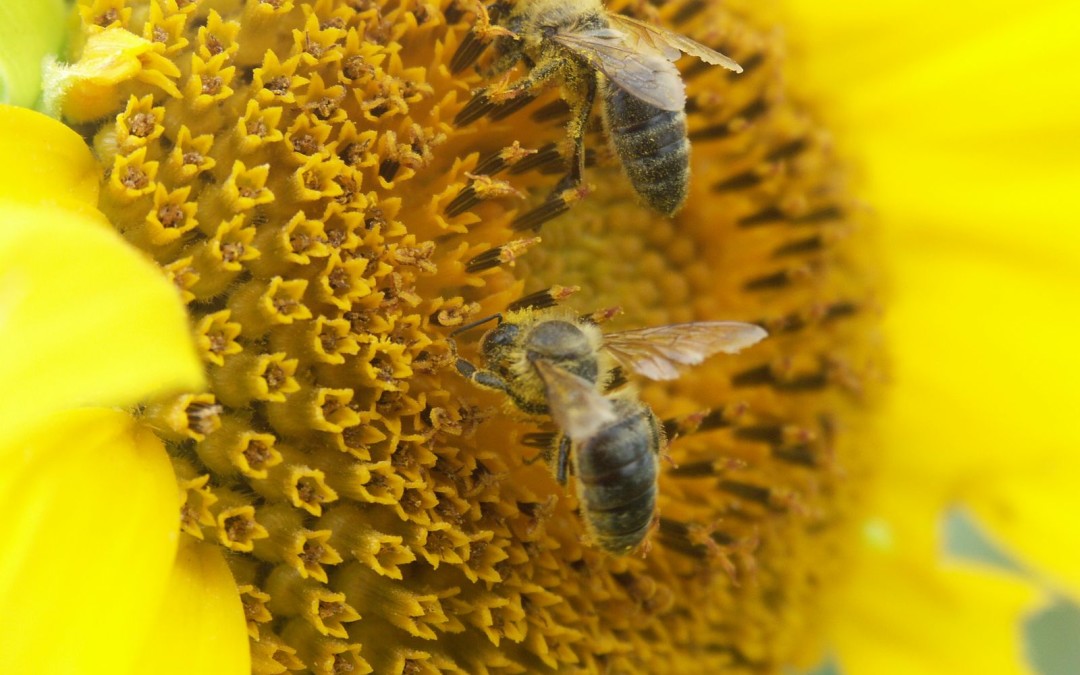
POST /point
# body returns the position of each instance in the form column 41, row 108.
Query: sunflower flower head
column 312, row 179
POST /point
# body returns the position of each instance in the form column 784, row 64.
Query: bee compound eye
column 504, row 335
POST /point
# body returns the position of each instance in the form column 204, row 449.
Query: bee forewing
column 642, row 71
column 657, row 353
column 669, row 42
column 575, row 404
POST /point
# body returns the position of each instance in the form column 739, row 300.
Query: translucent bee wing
column 670, row 43
column 575, row 404
column 657, row 353
column 642, row 71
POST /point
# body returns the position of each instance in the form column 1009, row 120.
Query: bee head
column 498, row 346
column 563, row 344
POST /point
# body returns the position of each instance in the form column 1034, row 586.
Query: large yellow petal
column 42, row 160
column 967, row 126
column 909, row 609
column 1034, row 511
column 84, row 319
column 200, row 627
column 964, row 122
column 904, row 616
column 86, row 542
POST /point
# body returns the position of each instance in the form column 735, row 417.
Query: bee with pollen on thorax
column 587, row 49
column 551, row 363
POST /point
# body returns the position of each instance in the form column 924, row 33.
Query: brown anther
column 257, row 128
column 239, row 527
column 323, row 107
column 141, row 124
column 305, row 144
column 417, row 256
column 354, row 67
column 307, row 491
column 108, row 17
column 279, row 85
column 312, row 47
column 275, row 377
column 171, row 215
column 353, row 153
column 232, row 251
column 256, row 454
column 349, row 189
column 211, row 85
column 213, row 45
column 312, row 553
column 134, row 179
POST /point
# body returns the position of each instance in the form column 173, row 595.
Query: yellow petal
column 200, row 627
column 908, row 608
column 984, row 360
column 84, row 319
column 904, row 616
column 28, row 32
column 969, row 131
column 1033, row 511
column 42, row 160
column 86, row 542
column 963, row 122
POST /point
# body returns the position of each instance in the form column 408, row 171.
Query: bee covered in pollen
column 557, row 365
column 586, row 49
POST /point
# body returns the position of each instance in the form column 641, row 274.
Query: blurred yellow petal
column 29, row 31
column 967, row 127
column 201, row 617
column 904, row 616
column 42, row 160
column 1032, row 511
column 89, row 535
column 84, row 319
column 966, row 123
column 909, row 609
column 982, row 386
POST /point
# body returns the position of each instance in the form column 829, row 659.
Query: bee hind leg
column 562, row 462
column 580, row 111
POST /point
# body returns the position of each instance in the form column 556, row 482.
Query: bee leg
column 490, row 98
column 580, row 111
column 538, row 78
column 481, row 378
column 508, row 58
column 562, row 465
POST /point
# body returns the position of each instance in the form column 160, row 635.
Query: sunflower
column 315, row 184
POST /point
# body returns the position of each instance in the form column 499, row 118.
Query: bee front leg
column 488, row 99
column 480, row 377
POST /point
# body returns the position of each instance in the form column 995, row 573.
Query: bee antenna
column 479, row 322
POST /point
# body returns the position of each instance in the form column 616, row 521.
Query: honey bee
column 586, row 48
column 565, row 368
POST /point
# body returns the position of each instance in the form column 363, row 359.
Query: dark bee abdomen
column 652, row 146
column 616, row 472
